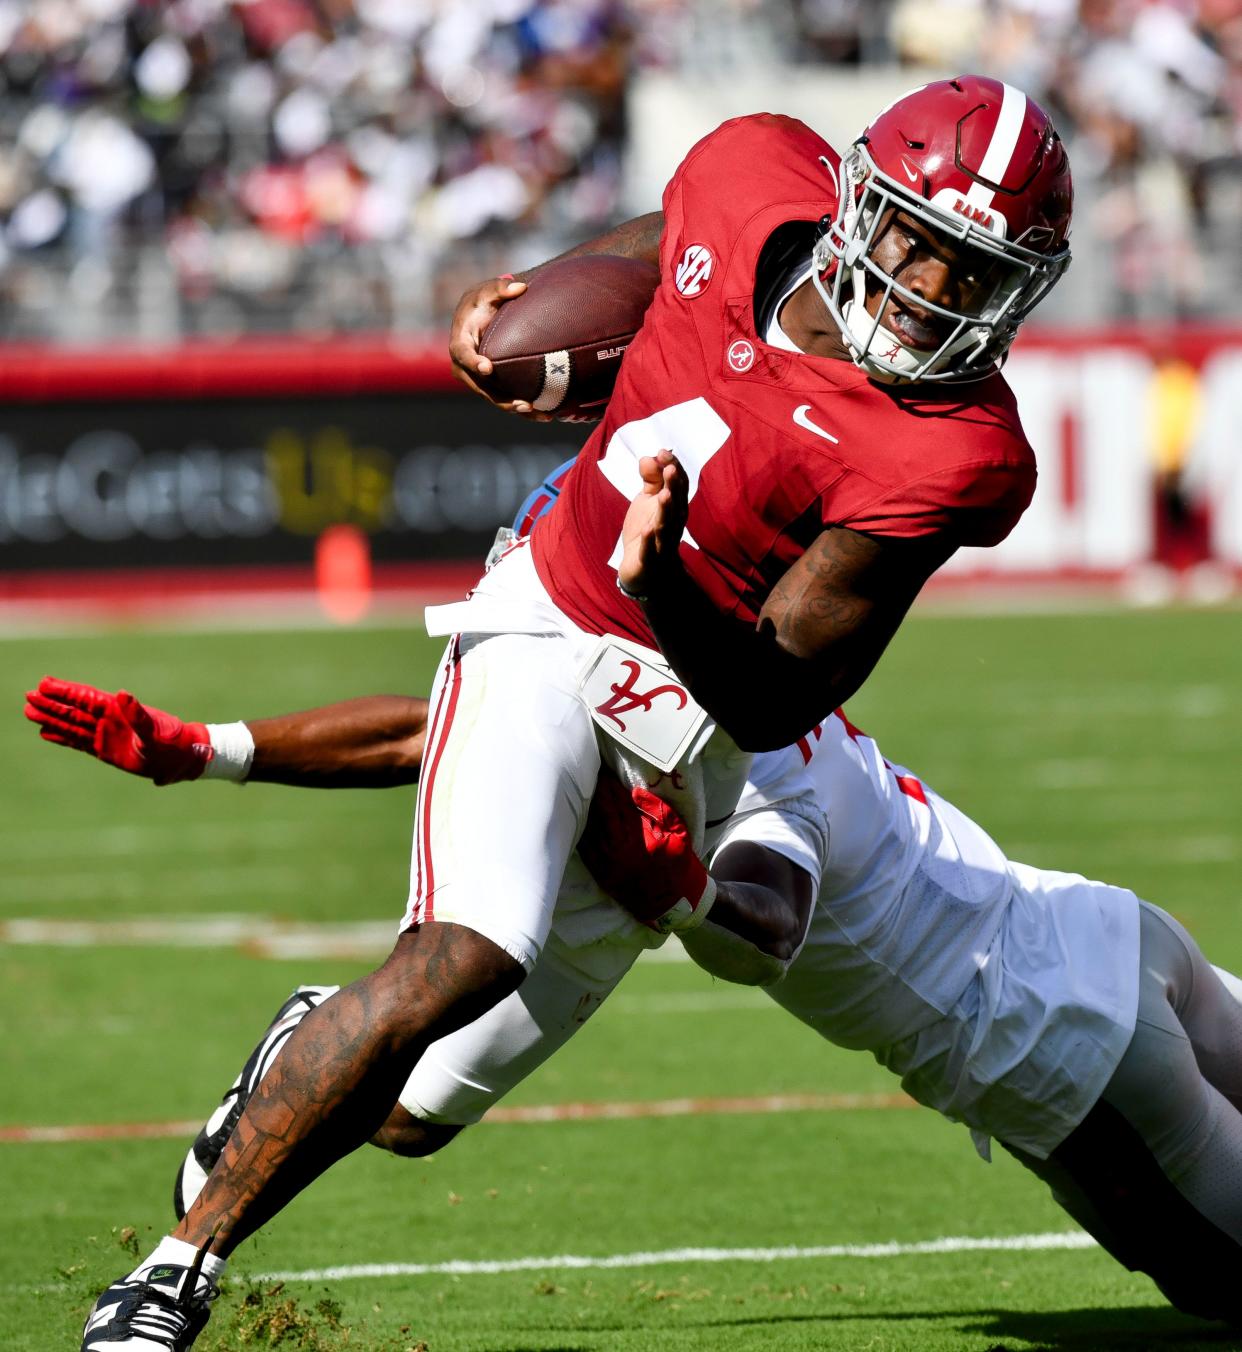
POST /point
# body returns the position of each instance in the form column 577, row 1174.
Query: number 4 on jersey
column 693, row 431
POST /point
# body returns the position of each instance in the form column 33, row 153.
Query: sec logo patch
column 740, row 356
column 694, row 271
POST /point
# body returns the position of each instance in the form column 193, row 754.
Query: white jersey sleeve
column 779, row 810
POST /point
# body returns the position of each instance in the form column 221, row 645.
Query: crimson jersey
column 777, row 445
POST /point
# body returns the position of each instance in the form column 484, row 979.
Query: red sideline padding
column 389, row 364
column 123, row 586
column 124, row 590
column 1193, row 343
column 246, row 367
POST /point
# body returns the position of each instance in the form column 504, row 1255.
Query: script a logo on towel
column 625, row 699
column 637, row 701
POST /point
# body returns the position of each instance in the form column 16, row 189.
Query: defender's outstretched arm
column 373, row 742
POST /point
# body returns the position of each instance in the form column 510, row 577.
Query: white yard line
column 1057, row 1239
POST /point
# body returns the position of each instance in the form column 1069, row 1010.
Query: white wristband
column 232, row 748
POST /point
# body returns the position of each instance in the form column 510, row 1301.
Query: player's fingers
column 43, row 718
column 50, row 720
column 462, row 373
column 69, row 739
column 653, row 806
column 87, row 697
column 51, row 702
column 651, row 474
column 40, row 708
column 518, row 406
column 514, row 406
column 475, row 311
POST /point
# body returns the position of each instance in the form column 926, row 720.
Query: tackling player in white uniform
column 1077, row 1025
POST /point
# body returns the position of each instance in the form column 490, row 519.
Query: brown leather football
column 559, row 344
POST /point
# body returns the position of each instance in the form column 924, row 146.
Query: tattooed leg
column 338, row 1077
column 407, row 1135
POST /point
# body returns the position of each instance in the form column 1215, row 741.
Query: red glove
column 119, row 730
column 638, row 849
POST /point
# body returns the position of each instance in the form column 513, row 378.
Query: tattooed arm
column 639, row 238
column 819, row 633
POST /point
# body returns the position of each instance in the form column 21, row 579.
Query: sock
column 180, row 1253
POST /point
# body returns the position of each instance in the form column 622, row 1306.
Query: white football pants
column 1154, row 1171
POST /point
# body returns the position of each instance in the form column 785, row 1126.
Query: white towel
column 704, row 787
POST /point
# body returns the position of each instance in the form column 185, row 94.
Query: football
column 559, row 344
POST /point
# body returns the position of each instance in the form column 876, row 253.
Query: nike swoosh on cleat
column 801, row 415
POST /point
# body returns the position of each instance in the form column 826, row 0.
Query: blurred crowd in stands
column 327, row 165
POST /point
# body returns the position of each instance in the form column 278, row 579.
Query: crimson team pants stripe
column 438, row 734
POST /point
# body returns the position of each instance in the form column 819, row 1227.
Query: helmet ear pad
column 826, row 262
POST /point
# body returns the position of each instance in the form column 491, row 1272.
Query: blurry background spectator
column 198, row 166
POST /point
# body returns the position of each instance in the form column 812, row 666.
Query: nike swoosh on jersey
column 801, row 415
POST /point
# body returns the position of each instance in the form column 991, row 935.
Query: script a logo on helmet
column 694, row 271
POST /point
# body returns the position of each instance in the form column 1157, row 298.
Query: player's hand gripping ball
column 560, row 343
column 118, row 729
column 638, row 849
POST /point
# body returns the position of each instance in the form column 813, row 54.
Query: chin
column 929, row 344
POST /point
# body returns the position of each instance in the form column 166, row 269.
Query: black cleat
column 160, row 1308
column 210, row 1142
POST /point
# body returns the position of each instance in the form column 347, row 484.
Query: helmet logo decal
column 976, row 214
column 694, row 271
column 984, row 214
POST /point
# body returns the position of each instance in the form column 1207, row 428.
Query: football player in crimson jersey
column 1077, row 1025
column 822, row 356
column 775, row 478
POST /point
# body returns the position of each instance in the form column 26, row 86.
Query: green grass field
column 1105, row 743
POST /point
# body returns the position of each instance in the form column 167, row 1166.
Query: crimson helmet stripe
column 1000, row 149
